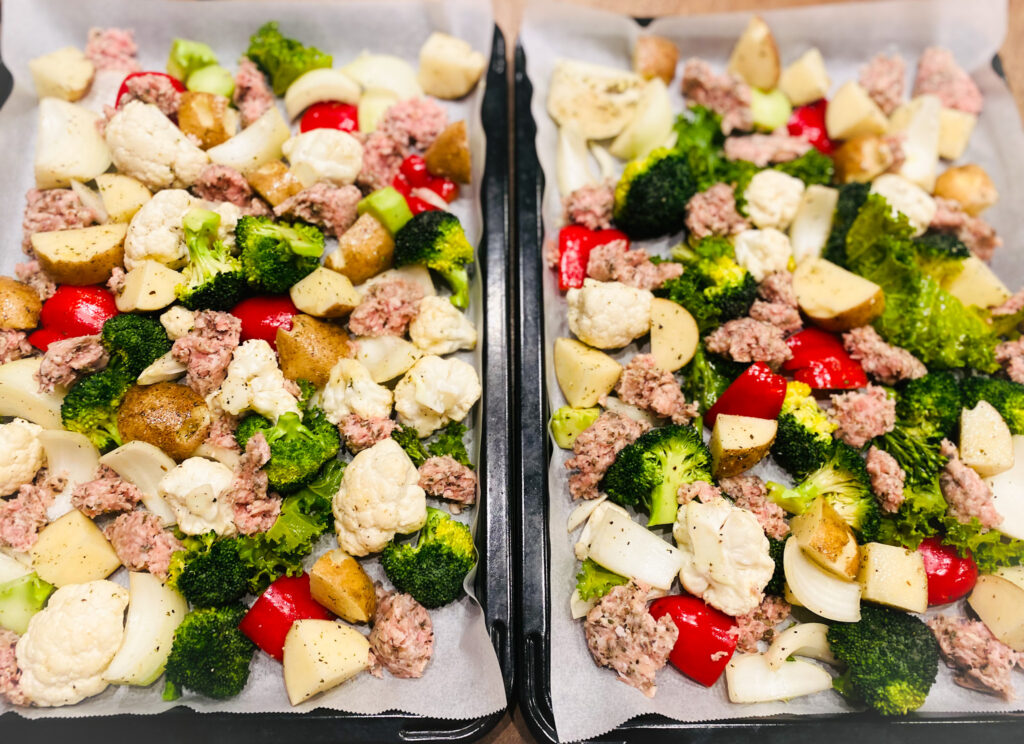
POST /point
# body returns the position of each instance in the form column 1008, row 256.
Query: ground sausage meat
column 590, row 206
column 67, row 360
column 966, row 493
column 22, row 516
column 415, row 122
column 595, row 449
column 222, row 183
column 883, row 78
column 117, row 279
column 141, row 542
column 749, row 492
column 152, row 88
column 979, row 660
column 622, row 635
column 252, row 95
column 749, row 340
column 360, row 433
column 112, row 49
column 382, row 158
column 777, row 287
column 759, row 625
column 402, row 639
column 764, row 149
column 1010, row 354
column 1012, row 306
column 32, row 274
column 331, row 208
column 14, row 345
column 615, row 262
column 939, row 74
column 106, row 493
column 713, row 212
column 254, row 510
column 784, row 317
column 700, row 490
column 886, row 363
column 973, row 232
column 727, row 95
column 10, row 674
column 223, row 425
column 645, row 385
column 887, row 479
column 386, row 309
column 446, row 478
column 862, row 415
column 206, row 349
column 53, row 209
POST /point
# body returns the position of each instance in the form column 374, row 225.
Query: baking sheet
column 588, row 701
column 464, row 679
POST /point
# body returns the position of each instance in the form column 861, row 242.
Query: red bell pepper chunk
column 271, row 616
column 413, row 174
column 809, row 344
column 757, row 393
column 330, row 115
column 262, row 316
column 178, row 85
column 42, row 338
column 401, row 184
column 418, row 205
column 950, row 575
column 574, row 245
column 446, row 189
column 77, row 311
column 706, row 639
column 808, row 122
column 819, row 360
column 414, row 168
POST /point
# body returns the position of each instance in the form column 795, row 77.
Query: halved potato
column 148, row 286
column 860, row 159
column 851, row 112
column 208, row 117
column 386, row 357
column 805, row 80
column 365, row 249
column 167, row 415
column 738, row 443
column 955, row 128
column 319, row 655
column 834, row 298
column 122, row 196
column 584, row 374
column 73, row 550
column 970, row 185
column 310, row 348
column 324, row 294
column 65, row 73
column 977, row 284
column 755, row 58
column 985, row 440
column 999, row 603
column 19, row 305
column 274, row 181
column 68, row 145
column 655, row 57
column 827, row 539
column 340, row 584
column 674, row 334
column 83, row 255
column 893, row 576
column 449, row 155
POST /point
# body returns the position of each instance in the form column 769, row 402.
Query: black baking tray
column 494, row 535
column 533, row 598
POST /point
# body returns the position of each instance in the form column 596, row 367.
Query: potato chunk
column 311, row 348
column 999, row 604
column 324, row 294
column 166, row 415
column 755, row 58
column 320, row 655
column 19, row 305
column 893, row 576
column 826, row 538
column 449, row 67
column 985, row 440
column 148, row 286
column 805, row 80
column 655, row 56
column 851, row 112
column 122, row 196
column 65, row 73
column 674, row 334
column 73, row 550
column 365, row 249
column 738, row 443
column 274, row 182
column 207, row 117
column 340, row 584
column 970, row 185
column 449, row 155
column 84, row 255
column 834, row 298
column 584, row 374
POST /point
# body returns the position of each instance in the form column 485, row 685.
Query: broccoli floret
column 306, row 392
column 891, row 657
column 919, row 515
column 213, row 277
column 851, row 198
column 594, row 581
column 298, row 446
column 134, row 342
column 647, row 473
column 449, row 442
column 651, row 195
column 803, row 442
column 777, row 585
column 283, row 59
column 706, row 377
column 209, row 572
column 409, row 441
column 433, row 571
column 209, row 655
column 812, row 167
column 927, row 409
column 20, row 599
column 940, row 255
column 276, row 255
column 90, row 407
column 1006, row 396
column 713, row 287
column 844, row 483
column 435, row 238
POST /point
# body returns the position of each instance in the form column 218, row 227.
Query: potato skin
column 311, row 348
column 655, row 56
column 862, row 158
column 449, row 155
column 19, row 305
column 167, row 415
column 73, row 257
column 364, row 250
column 340, row 584
column 207, row 117
column 970, row 185
column 855, row 317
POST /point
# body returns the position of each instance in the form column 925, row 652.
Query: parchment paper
column 588, row 701
column 463, row 680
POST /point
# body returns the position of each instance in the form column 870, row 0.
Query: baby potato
column 340, row 584
column 449, row 155
column 364, row 250
column 83, row 255
column 970, row 185
column 325, row 294
column 167, row 415
column 208, row 117
column 19, row 305
column 311, row 348
column 274, row 182
column 862, row 158
column 655, row 56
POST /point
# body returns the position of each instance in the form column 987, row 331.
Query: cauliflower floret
column 145, row 144
column 608, row 315
column 773, row 198
column 177, row 322
column 440, row 328
column 21, row 454
column 351, row 390
column 156, row 231
column 435, row 391
column 908, row 198
column 324, row 155
column 379, row 497
column 726, row 558
column 70, row 643
column 762, row 252
column 255, row 382
column 194, row 490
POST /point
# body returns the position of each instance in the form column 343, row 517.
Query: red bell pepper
column 808, row 122
column 178, row 85
column 42, row 338
column 574, row 245
column 77, row 311
column 330, row 115
column 262, row 316
column 706, row 637
column 757, row 393
column 413, row 174
column 950, row 575
column 819, row 360
column 271, row 616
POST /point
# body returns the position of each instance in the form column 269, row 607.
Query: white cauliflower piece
column 908, row 198
column 726, row 558
column 773, row 198
column 145, row 144
column 379, row 497
column 609, row 315
column 351, row 390
column 435, row 391
column 156, row 231
column 255, row 382
column 194, row 491
column 21, row 454
column 177, row 322
column 70, row 643
column 324, row 155
column 762, row 252
column 441, row 328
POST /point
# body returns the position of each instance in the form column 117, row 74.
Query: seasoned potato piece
column 365, row 249
column 835, row 299
column 893, row 576
column 806, row 79
column 738, row 443
column 148, row 286
column 340, row 584
column 166, row 415
column 65, row 73
column 449, row 67
column 655, row 56
column 977, row 284
column 970, row 185
column 862, row 158
column 311, row 348
column 584, row 374
column 320, row 655
column 325, row 294
column 825, row 537
column 986, row 443
column 674, row 334
column 84, row 255
column 955, row 129
column 73, row 550
column 274, row 182
column 386, row 357
column 208, row 117
column 999, row 603
column 122, row 196
column 449, row 155
column 19, row 305
column 852, row 112
column 755, row 58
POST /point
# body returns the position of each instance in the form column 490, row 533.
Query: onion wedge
column 821, row 592
column 804, row 639
column 751, row 680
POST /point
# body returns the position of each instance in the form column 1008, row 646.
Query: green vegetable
column 298, row 446
column 940, row 255
column 812, row 168
column 851, row 198
column 209, row 572
column 891, row 657
column 927, row 409
column 1006, row 396
column 277, row 255
column 409, row 441
column 283, row 59
column 803, row 442
column 770, row 109
column 777, row 584
column 213, row 277
column 388, row 207
column 212, row 79
column 567, row 423
column 713, row 287
column 209, row 655
column 134, row 342
column 651, row 195
column 706, row 377
column 188, row 56
column 448, row 441
column 594, row 581
column 435, row 238
column 90, row 407
column 20, row 599
column 433, row 571
column 647, row 474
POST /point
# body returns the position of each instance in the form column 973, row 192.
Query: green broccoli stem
column 793, row 500
column 664, row 505
column 171, row 691
column 288, row 424
column 458, row 280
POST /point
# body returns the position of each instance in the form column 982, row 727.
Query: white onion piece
column 821, row 592
column 605, row 161
column 72, row 455
column 804, row 639
column 582, row 548
column 579, row 606
column 223, row 455
column 143, row 465
column 582, row 512
column 751, row 680
column 20, row 396
column 613, row 404
column 12, row 568
column 631, row 550
column 91, row 199
column 572, row 161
